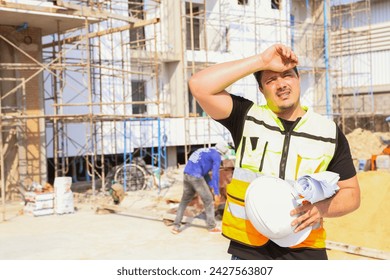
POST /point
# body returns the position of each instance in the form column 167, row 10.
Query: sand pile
column 364, row 143
column 369, row 226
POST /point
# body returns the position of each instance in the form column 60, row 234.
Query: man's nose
column 280, row 83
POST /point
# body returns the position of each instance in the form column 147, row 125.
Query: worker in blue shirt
column 197, row 180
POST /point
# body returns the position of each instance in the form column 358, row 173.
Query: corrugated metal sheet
column 363, row 70
column 380, row 68
column 380, row 11
column 372, row 38
column 361, row 14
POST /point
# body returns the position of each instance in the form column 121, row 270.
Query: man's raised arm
column 208, row 86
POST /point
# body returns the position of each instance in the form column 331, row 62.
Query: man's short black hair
column 259, row 73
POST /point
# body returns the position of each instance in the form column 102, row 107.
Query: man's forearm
column 346, row 200
column 216, row 78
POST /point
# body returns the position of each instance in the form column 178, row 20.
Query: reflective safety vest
column 267, row 149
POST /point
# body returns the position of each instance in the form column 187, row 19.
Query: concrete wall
column 23, row 140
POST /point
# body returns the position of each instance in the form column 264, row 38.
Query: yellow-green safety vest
column 266, row 148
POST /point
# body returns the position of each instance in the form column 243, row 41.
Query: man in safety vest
column 282, row 139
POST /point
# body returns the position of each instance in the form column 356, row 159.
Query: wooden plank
column 45, row 8
column 167, row 216
column 357, row 250
column 186, row 220
column 102, row 32
column 129, row 212
column 80, row 10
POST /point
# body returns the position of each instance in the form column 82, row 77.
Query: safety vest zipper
column 286, row 144
column 283, row 160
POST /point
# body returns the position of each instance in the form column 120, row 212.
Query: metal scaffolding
column 114, row 59
column 99, row 67
column 350, row 54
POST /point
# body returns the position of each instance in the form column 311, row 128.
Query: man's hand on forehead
column 278, row 58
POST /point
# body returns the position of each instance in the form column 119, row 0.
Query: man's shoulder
column 241, row 101
column 320, row 117
column 206, row 152
column 319, row 124
column 241, row 106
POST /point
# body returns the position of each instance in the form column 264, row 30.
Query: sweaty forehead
column 268, row 73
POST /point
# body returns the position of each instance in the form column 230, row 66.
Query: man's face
column 281, row 90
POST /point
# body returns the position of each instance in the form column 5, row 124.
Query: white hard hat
column 268, row 202
column 222, row 147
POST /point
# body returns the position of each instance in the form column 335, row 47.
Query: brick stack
column 39, row 204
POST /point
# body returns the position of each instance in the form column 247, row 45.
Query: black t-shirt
column 341, row 163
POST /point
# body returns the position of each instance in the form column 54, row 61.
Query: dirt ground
column 138, row 231
column 369, row 226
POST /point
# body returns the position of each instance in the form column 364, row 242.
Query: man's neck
column 291, row 115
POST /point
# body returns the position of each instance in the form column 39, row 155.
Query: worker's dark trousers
column 193, row 185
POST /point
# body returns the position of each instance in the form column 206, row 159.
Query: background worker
column 197, row 180
column 282, row 139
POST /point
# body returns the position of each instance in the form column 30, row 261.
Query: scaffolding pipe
column 90, row 98
column 185, row 90
column 327, row 83
column 159, row 153
column 2, row 166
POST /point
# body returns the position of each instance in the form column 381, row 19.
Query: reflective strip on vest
column 245, row 174
column 237, row 210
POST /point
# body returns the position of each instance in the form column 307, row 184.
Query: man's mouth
column 283, row 94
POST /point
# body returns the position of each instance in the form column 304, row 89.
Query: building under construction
column 89, row 85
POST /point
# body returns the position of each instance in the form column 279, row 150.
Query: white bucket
column 62, row 185
column 383, row 162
